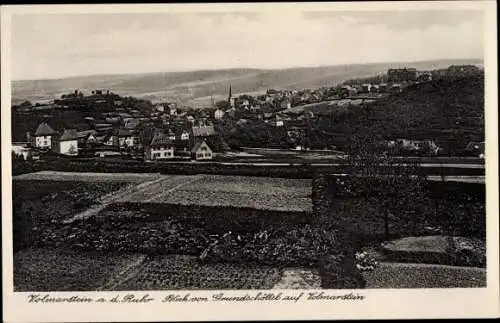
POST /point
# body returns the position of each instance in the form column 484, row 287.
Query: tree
column 223, row 105
column 394, row 190
column 72, row 150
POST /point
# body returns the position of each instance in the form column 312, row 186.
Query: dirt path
column 112, row 198
column 128, row 272
column 299, row 278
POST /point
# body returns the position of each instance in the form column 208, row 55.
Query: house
column 160, row 148
column 126, row 138
column 203, row 129
column 396, row 88
column 171, row 134
column 68, row 142
column 43, row 136
column 86, row 137
column 366, row 87
column 218, row 114
column 173, row 110
column 185, row 135
column 279, row 121
column 22, row 149
column 110, row 140
column 286, row 104
column 132, row 124
column 160, row 108
column 201, row 151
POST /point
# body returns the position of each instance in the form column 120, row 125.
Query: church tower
column 230, row 99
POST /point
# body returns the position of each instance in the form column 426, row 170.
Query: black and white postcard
column 249, row 161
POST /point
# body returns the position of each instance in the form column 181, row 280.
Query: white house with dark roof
column 44, row 135
column 126, row 138
column 201, row 151
column 185, row 135
column 68, row 142
column 160, row 148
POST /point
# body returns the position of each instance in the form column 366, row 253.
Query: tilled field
column 176, row 272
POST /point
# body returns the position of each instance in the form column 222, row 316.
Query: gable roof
column 69, row 134
column 160, row 140
column 44, row 129
column 198, row 144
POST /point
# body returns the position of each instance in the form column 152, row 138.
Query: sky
column 62, row 45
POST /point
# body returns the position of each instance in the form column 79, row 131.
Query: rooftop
column 44, row 129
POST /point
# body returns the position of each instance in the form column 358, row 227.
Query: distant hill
column 196, row 87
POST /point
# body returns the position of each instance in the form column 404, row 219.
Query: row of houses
column 71, row 142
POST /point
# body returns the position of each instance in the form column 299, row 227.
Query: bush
column 340, row 272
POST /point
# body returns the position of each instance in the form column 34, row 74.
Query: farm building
column 68, row 143
column 161, row 147
column 201, row 151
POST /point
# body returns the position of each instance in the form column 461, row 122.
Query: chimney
column 28, row 136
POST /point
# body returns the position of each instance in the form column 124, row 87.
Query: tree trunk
column 386, row 223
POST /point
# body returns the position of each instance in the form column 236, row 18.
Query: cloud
column 64, row 45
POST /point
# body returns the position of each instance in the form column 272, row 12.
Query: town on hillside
column 103, row 124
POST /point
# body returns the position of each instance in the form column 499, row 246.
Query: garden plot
column 174, row 272
column 38, row 269
column 57, row 200
column 212, row 190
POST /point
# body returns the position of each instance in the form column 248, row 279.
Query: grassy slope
column 186, row 86
column 449, row 111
